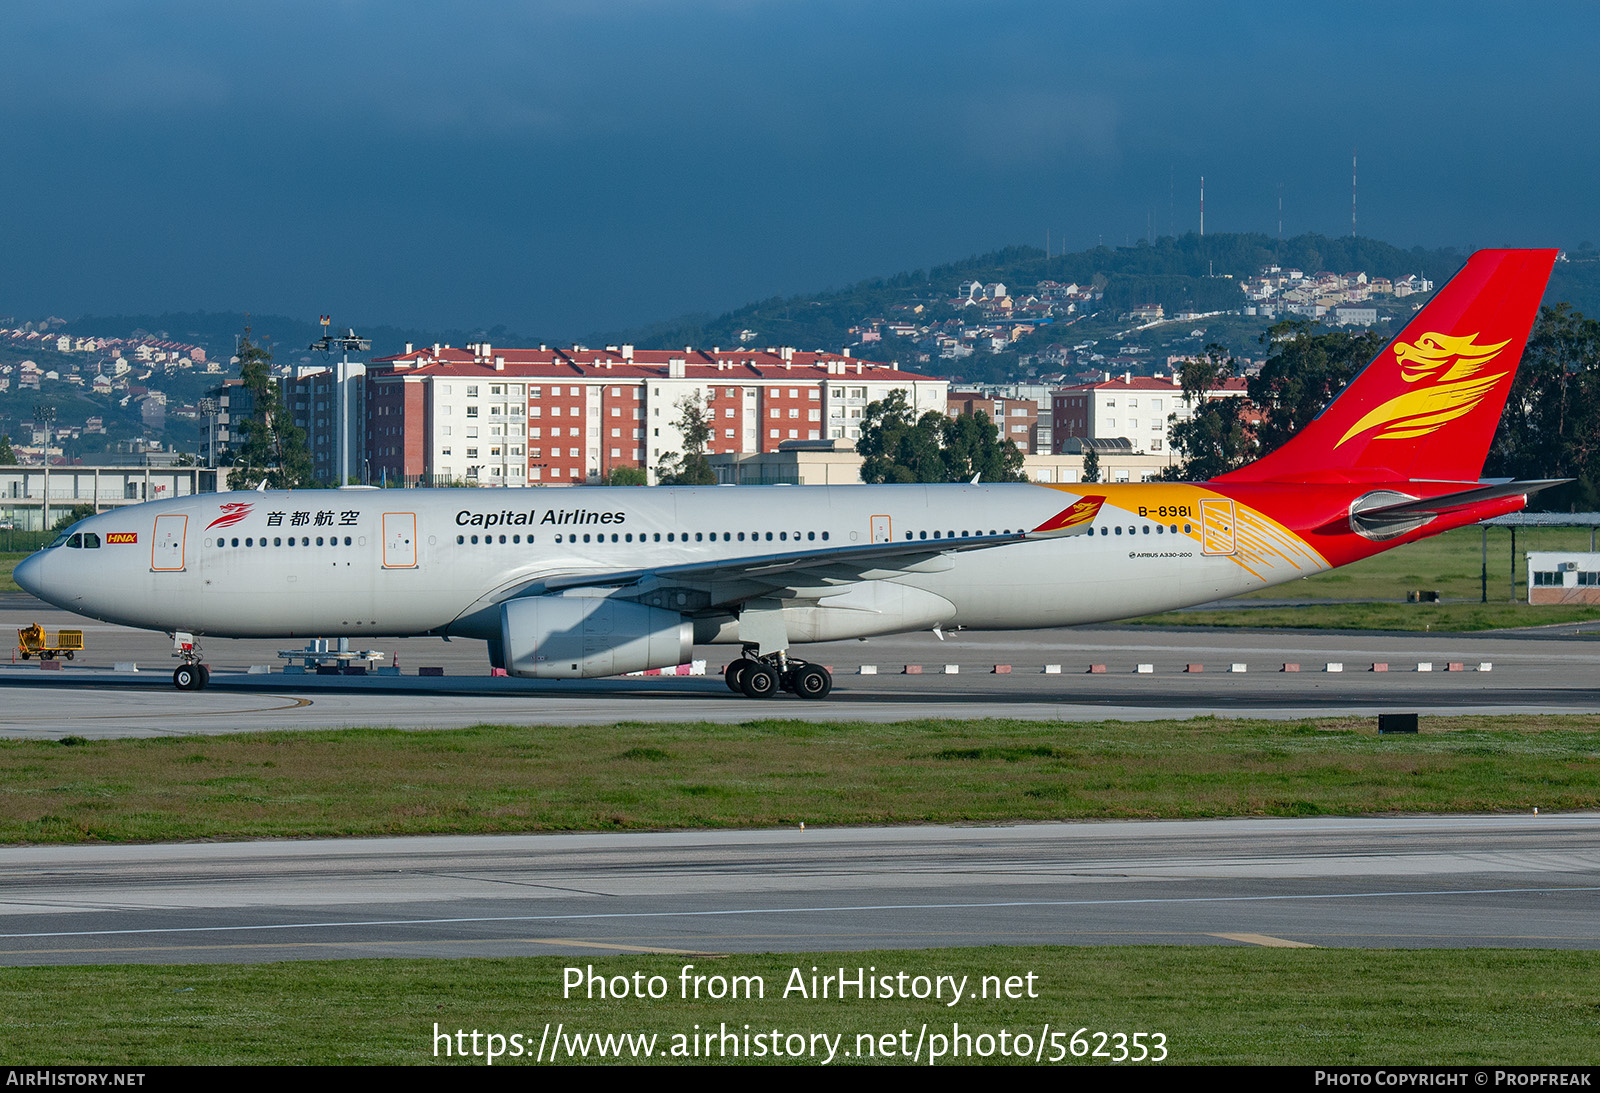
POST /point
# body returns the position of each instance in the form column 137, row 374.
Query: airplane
column 583, row 582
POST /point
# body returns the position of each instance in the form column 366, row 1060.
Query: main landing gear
column 191, row 674
column 762, row 677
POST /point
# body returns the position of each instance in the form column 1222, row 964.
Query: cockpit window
column 91, row 541
column 75, row 542
column 59, row 539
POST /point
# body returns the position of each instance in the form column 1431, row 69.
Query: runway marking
column 613, row 945
column 1266, row 941
column 602, row 915
column 1161, row 937
column 279, row 946
column 168, row 715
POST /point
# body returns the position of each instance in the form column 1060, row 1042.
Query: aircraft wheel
column 760, row 680
column 733, row 675
column 813, row 681
column 186, row 678
column 205, row 677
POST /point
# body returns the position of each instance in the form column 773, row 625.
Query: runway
column 1552, row 671
column 1525, row 881
column 1518, row 881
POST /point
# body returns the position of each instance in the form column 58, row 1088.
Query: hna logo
column 1451, row 370
column 232, row 513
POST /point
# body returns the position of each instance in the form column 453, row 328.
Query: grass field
column 1212, row 1005
column 675, row 776
column 8, row 562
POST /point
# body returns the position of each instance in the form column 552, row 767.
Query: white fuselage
column 354, row 562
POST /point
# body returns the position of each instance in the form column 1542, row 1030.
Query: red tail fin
column 1427, row 407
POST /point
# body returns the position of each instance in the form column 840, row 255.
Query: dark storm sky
column 570, row 167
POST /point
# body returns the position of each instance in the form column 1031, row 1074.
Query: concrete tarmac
column 1522, row 881
column 1548, row 671
column 1517, row 881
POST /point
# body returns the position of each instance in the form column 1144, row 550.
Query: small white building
column 1563, row 577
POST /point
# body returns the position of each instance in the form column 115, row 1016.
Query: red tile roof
column 730, row 365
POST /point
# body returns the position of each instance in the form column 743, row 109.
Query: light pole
column 346, row 343
column 208, row 407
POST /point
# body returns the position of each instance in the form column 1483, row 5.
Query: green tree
column 627, row 476
column 691, row 467
column 1217, row 436
column 1551, row 424
column 1091, row 465
column 897, row 446
column 66, row 520
column 8, row 458
column 273, row 448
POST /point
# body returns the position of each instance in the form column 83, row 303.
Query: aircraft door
column 166, row 545
column 399, row 540
column 1216, row 526
column 880, row 530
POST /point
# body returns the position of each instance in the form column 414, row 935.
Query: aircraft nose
column 28, row 575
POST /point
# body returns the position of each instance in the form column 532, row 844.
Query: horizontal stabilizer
column 1450, row 502
column 1386, row 514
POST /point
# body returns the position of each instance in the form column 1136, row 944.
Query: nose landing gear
column 191, row 674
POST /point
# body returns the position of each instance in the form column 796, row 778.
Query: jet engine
column 579, row 637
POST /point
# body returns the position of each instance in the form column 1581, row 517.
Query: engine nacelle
column 579, row 637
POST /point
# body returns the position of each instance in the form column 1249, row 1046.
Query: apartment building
column 497, row 416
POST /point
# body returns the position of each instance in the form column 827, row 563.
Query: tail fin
column 1427, row 407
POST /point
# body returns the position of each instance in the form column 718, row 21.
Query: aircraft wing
column 812, row 573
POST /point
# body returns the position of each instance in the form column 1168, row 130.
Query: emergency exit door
column 399, row 540
column 166, row 545
column 1216, row 526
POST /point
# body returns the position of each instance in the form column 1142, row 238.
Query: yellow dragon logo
column 1455, row 365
